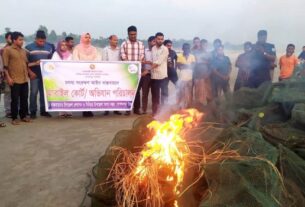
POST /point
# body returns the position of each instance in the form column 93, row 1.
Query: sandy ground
column 45, row 163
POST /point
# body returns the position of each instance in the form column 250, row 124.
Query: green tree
column 64, row 35
column 52, row 36
column 7, row 29
column 43, row 28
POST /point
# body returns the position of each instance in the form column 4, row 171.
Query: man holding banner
column 133, row 50
column 112, row 53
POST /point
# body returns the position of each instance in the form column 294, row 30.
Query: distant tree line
column 53, row 37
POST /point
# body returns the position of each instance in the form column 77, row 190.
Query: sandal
column 15, row 122
column 27, row 120
column 2, row 124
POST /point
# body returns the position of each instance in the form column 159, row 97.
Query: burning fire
column 168, row 149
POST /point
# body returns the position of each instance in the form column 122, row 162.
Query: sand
column 45, row 163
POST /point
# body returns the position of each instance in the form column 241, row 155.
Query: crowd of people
column 199, row 75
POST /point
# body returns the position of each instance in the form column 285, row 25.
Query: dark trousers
column 144, row 86
column 19, row 96
column 159, row 87
column 219, row 86
column 172, row 76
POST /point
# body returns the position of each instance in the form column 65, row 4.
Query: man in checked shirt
column 133, row 50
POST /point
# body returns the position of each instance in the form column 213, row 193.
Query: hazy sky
column 231, row 20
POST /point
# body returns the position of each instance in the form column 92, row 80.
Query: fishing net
column 254, row 150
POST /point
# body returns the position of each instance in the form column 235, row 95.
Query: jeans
column 36, row 85
column 159, row 87
column 7, row 98
column 19, row 94
column 7, row 102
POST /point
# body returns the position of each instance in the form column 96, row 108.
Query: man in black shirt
column 268, row 51
column 171, row 62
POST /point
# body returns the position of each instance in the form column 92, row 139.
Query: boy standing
column 16, row 71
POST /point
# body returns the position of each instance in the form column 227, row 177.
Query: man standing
column 171, row 62
column 15, row 65
column 159, row 79
column 37, row 51
column 133, row 50
column 243, row 63
column 1, row 85
column 202, row 74
column 145, row 82
column 112, row 53
column 221, row 69
column 268, row 51
column 70, row 43
column 185, row 63
column 287, row 63
column 6, row 89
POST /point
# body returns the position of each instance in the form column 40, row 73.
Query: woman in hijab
column 84, row 51
column 62, row 53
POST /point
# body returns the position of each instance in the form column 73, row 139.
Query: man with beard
column 159, row 79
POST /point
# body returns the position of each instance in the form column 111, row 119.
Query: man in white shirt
column 112, row 53
column 159, row 73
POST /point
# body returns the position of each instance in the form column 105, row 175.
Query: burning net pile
column 154, row 176
column 247, row 149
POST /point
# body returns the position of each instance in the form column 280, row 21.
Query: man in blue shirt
column 37, row 51
column 221, row 69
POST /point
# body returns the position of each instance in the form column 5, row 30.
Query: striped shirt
column 36, row 53
column 132, row 51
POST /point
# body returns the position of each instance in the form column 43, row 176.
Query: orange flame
column 168, row 148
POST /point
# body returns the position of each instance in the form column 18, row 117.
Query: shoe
column 117, row 113
column 127, row 113
column 88, row 114
column 33, row 116
column 144, row 112
column 46, row 114
column 106, row 113
column 137, row 112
